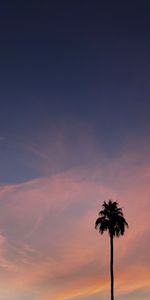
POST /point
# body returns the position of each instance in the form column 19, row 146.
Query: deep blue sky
column 74, row 131
column 71, row 62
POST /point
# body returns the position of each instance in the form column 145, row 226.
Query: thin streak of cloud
column 50, row 245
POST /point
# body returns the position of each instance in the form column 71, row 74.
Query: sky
column 74, row 131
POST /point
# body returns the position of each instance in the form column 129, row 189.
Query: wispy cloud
column 48, row 243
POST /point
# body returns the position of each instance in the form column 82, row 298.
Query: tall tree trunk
column 111, row 267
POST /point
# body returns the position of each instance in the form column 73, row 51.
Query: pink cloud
column 48, row 240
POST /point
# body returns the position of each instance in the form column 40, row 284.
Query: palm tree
column 111, row 219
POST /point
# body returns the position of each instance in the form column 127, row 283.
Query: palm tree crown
column 111, row 219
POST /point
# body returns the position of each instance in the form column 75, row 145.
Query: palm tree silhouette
column 111, row 219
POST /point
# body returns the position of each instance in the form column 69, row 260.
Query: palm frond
column 111, row 219
column 98, row 222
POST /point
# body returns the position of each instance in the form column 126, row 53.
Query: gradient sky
column 74, row 131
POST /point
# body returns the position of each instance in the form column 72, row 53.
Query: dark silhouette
column 112, row 220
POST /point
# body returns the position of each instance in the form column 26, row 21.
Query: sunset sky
column 74, row 131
